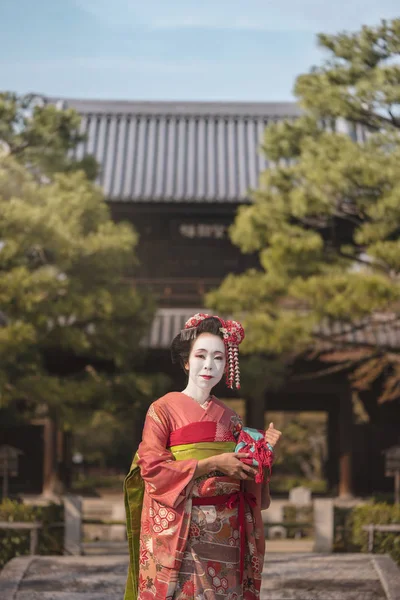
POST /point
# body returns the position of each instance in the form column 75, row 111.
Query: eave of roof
column 179, row 108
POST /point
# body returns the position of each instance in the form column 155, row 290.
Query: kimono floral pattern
column 161, row 518
column 189, row 551
column 210, row 568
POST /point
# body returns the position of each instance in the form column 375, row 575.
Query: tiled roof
column 177, row 151
column 166, row 324
column 381, row 332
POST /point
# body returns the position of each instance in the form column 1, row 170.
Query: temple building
column 178, row 171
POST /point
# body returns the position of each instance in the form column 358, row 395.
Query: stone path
column 330, row 577
column 297, row 576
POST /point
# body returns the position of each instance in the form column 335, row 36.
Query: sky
column 229, row 50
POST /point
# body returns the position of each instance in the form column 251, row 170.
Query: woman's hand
column 272, row 435
column 230, row 464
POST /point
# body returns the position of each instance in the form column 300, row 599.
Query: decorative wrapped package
column 253, row 442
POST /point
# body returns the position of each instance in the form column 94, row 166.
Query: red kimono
column 191, row 547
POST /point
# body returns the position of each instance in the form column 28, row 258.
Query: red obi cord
column 231, row 500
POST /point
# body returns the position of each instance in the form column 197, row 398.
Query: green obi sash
column 133, row 498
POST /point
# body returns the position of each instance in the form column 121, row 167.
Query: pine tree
column 71, row 319
column 325, row 219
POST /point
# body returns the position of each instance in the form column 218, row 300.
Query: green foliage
column 303, row 449
column 108, row 439
column 72, row 318
column 325, row 219
column 15, row 543
column 91, row 484
column 299, row 514
column 282, row 484
column 293, row 513
column 41, row 135
column 350, row 536
column 360, row 79
column 342, row 523
column 254, row 368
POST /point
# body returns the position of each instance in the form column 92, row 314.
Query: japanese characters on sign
column 203, row 230
column 392, row 459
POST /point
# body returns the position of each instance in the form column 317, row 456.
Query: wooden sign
column 9, row 460
column 392, row 460
column 8, row 465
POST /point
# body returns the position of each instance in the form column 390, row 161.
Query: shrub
column 343, row 530
column 298, row 514
column 382, row 514
column 349, row 534
column 15, row 543
column 282, row 483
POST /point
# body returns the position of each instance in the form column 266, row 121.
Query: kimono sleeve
column 166, row 479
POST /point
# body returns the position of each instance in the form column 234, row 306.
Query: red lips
column 206, row 377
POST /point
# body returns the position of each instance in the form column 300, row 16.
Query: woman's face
column 207, row 361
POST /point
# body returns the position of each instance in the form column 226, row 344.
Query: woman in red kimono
column 193, row 506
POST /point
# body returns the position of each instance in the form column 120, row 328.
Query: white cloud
column 262, row 15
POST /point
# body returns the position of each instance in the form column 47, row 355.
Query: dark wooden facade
column 44, row 465
column 184, row 249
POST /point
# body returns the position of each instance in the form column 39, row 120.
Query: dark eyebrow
column 204, row 350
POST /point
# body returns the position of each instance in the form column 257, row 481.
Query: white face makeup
column 206, row 365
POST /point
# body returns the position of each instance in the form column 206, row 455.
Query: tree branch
column 323, row 372
column 366, row 116
column 337, row 368
column 363, row 262
column 18, row 149
column 353, row 344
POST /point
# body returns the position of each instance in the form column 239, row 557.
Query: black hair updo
column 180, row 349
